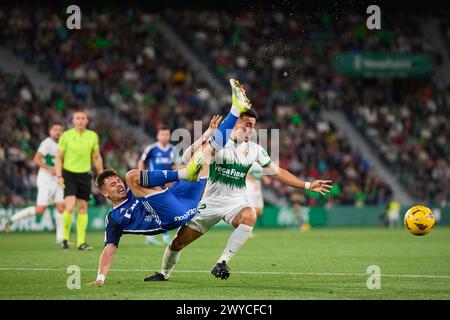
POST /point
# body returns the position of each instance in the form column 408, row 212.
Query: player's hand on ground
column 321, row 186
column 96, row 283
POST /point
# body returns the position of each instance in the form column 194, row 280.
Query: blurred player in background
column 77, row 149
column 49, row 191
column 254, row 180
column 158, row 156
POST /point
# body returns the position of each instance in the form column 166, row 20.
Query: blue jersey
column 156, row 213
column 157, row 158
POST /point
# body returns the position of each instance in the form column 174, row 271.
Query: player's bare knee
column 248, row 218
column 133, row 177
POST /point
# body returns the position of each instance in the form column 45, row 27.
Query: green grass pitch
column 326, row 263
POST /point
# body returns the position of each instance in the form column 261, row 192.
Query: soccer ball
column 419, row 220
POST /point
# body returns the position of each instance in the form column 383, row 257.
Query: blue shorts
column 177, row 205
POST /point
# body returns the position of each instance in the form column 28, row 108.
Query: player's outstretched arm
column 284, row 176
column 104, row 263
column 209, row 133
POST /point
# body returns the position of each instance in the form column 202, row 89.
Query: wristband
column 101, row 277
column 307, row 185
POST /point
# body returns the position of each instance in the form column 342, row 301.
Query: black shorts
column 77, row 184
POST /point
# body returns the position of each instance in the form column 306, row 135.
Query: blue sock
column 220, row 138
column 156, row 178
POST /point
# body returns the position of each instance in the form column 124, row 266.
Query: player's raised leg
column 218, row 134
column 140, row 181
column 240, row 104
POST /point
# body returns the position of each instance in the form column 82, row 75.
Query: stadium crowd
column 25, row 120
column 133, row 71
column 287, row 59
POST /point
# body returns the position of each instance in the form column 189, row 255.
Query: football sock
column 156, row 178
column 67, row 224
column 236, row 240
column 38, row 218
column 170, row 259
column 59, row 226
column 24, row 213
column 82, row 222
column 223, row 132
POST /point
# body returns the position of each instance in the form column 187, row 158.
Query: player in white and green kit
column 49, row 191
column 225, row 193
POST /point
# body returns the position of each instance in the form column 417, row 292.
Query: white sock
column 182, row 174
column 170, row 259
column 24, row 213
column 236, row 240
column 59, row 226
column 235, row 111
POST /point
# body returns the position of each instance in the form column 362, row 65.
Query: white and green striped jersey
column 229, row 167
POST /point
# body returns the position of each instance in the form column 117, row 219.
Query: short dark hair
column 100, row 181
column 163, row 128
column 56, row 123
column 250, row 113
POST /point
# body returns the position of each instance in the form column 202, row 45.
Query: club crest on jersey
column 246, row 151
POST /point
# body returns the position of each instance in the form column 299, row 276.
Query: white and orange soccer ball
column 419, row 220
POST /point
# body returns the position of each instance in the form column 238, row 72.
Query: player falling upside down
column 225, row 192
column 49, row 191
column 147, row 208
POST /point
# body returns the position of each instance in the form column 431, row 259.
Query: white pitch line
column 247, row 272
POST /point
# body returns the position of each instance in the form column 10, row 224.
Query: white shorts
column 210, row 212
column 49, row 193
column 254, row 196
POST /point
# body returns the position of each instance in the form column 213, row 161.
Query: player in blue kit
column 148, row 207
column 158, row 156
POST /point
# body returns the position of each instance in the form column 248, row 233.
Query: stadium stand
column 136, row 74
column 406, row 121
